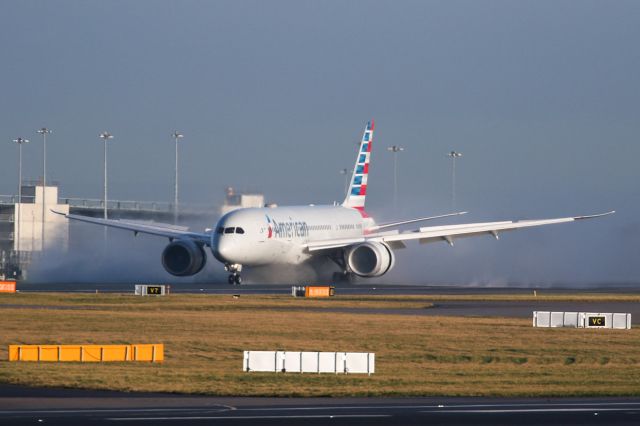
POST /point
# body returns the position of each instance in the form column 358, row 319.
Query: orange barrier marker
column 7, row 286
column 87, row 353
column 319, row 291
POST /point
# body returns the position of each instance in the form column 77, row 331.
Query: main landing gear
column 234, row 277
column 344, row 277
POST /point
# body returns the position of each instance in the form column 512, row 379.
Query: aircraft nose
column 223, row 250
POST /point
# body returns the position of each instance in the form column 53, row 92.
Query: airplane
column 289, row 236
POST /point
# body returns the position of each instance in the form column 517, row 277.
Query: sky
column 541, row 97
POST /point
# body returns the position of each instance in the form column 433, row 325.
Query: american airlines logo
column 288, row 229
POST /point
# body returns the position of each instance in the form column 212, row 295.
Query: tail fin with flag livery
column 358, row 189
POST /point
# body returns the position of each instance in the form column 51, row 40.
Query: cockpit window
column 239, row 230
column 220, row 230
column 229, row 230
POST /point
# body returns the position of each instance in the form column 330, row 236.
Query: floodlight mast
column 176, row 135
column 18, row 224
column 105, row 136
column 44, row 132
column 395, row 149
column 453, row 155
column 345, row 172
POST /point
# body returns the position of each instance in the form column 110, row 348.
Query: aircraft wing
column 450, row 232
column 405, row 222
column 333, row 244
column 446, row 233
column 161, row 230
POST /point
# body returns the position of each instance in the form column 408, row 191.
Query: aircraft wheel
column 232, row 279
column 238, row 279
column 338, row 277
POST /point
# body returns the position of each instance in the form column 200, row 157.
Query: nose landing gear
column 234, row 277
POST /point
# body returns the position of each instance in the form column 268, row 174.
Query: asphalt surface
column 525, row 309
column 349, row 289
column 20, row 406
column 509, row 309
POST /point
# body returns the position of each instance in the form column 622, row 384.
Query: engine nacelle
column 183, row 258
column 370, row 259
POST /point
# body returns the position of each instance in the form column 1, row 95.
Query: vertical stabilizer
column 358, row 188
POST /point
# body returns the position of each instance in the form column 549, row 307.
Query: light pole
column 20, row 142
column 395, row 149
column 345, row 172
column 453, row 155
column 44, row 132
column 105, row 136
column 176, row 135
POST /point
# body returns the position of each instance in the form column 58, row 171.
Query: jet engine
column 183, row 258
column 370, row 259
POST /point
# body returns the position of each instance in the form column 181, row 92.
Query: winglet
column 594, row 215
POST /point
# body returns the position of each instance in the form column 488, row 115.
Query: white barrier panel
column 557, row 319
column 359, row 363
column 581, row 319
column 309, row 362
column 541, row 319
column 571, row 319
column 261, row 361
column 298, row 290
column 327, row 362
column 151, row 290
column 621, row 321
column 292, row 362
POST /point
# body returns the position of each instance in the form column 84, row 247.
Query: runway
column 509, row 309
column 75, row 407
column 346, row 289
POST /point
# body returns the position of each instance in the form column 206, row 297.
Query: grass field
column 204, row 337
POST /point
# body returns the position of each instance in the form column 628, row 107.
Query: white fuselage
column 262, row 236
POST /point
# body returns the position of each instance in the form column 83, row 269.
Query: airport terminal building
column 29, row 227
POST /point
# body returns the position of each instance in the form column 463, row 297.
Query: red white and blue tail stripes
column 358, row 189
